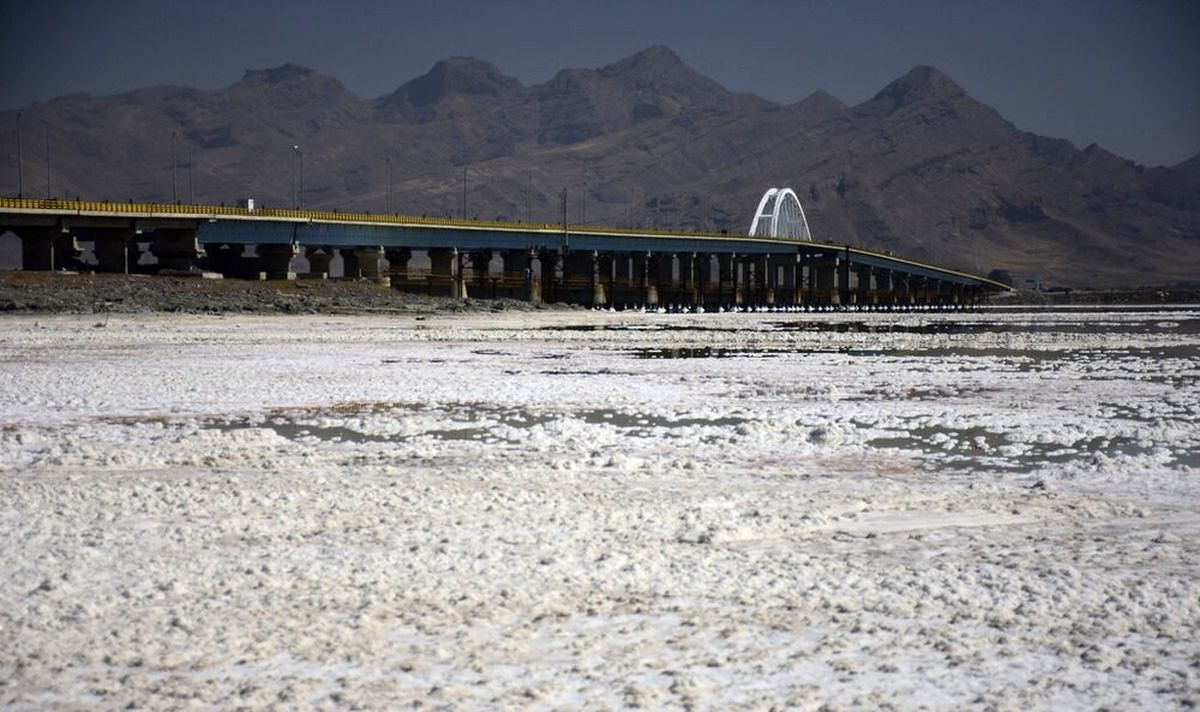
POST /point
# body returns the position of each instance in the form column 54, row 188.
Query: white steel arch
column 780, row 214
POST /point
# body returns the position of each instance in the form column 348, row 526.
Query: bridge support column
column 919, row 288
column 626, row 290
column 770, row 279
column 845, row 296
column 787, row 268
column 884, row 290
column 518, row 281
column 397, row 259
column 369, row 265
column 662, row 275
column 48, row 249
column 705, row 288
column 548, row 261
column 481, row 285
column 116, row 250
column 902, row 288
column 581, row 283
column 37, row 248
column 864, row 289
column 350, row 266
column 445, row 276
column 728, row 286
column 825, row 282
column 177, row 250
column 319, row 257
column 643, row 275
column 275, row 261
column 689, row 284
column 227, row 260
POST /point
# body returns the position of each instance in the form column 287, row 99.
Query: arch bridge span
column 778, row 264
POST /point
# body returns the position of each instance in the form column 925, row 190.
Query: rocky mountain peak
column 278, row 75
column 921, row 84
column 655, row 58
column 457, row 76
column 658, row 70
column 1190, row 167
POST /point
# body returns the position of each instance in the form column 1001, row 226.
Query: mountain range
column 920, row 169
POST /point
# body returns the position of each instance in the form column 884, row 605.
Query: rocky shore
column 64, row 293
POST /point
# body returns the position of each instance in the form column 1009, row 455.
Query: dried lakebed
column 995, row 509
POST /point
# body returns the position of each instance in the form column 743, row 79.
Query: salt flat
column 721, row 511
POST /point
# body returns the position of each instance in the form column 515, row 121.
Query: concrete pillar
column 662, row 275
column 705, row 289
column 884, row 289
column 689, row 287
column 644, row 277
column 624, row 288
column 445, row 277
column 481, row 285
column 845, row 296
column 548, row 275
column 916, row 288
column 47, row 249
column 728, row 287
column 229, row 261
column 350, row 266
column 518, row 280
column 786, row 266
column 319, row 257
column 37, row 248
column 902, row 287
column 116, row 250
column 580, row 278
column 398, row 259
column 865, row 289
column 825, row 282
column 370, row 264
column 177, row 249
column 275, row 260
column 764, row 280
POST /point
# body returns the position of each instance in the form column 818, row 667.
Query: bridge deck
column 217, row 224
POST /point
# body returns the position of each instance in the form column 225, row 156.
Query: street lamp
column 174, row 193
column 298, row 195
column 389, row 199
column 297, row 156
column 20, row 178
column 46, row 125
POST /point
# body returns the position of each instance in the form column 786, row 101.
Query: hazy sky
column 1125, row 75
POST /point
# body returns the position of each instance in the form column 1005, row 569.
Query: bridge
column 776, row 264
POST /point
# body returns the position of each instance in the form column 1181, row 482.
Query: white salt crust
column 601, row 511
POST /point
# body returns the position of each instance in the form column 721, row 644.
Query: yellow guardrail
column 207, row 211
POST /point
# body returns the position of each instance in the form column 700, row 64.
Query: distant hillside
column 921, row 168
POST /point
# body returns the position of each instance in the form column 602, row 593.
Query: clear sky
column 1123, row 74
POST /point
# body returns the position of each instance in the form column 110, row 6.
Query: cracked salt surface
column 994, row 509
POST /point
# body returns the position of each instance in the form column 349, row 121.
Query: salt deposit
column 601, row 510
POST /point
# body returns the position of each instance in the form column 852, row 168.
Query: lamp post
column 389, row 194
column 46, row 125
column 297, row 195
column 174, row 193
column 191, row 195
column 464, row 213
column 20, row 177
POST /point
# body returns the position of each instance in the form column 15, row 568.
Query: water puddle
column 465, row 424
